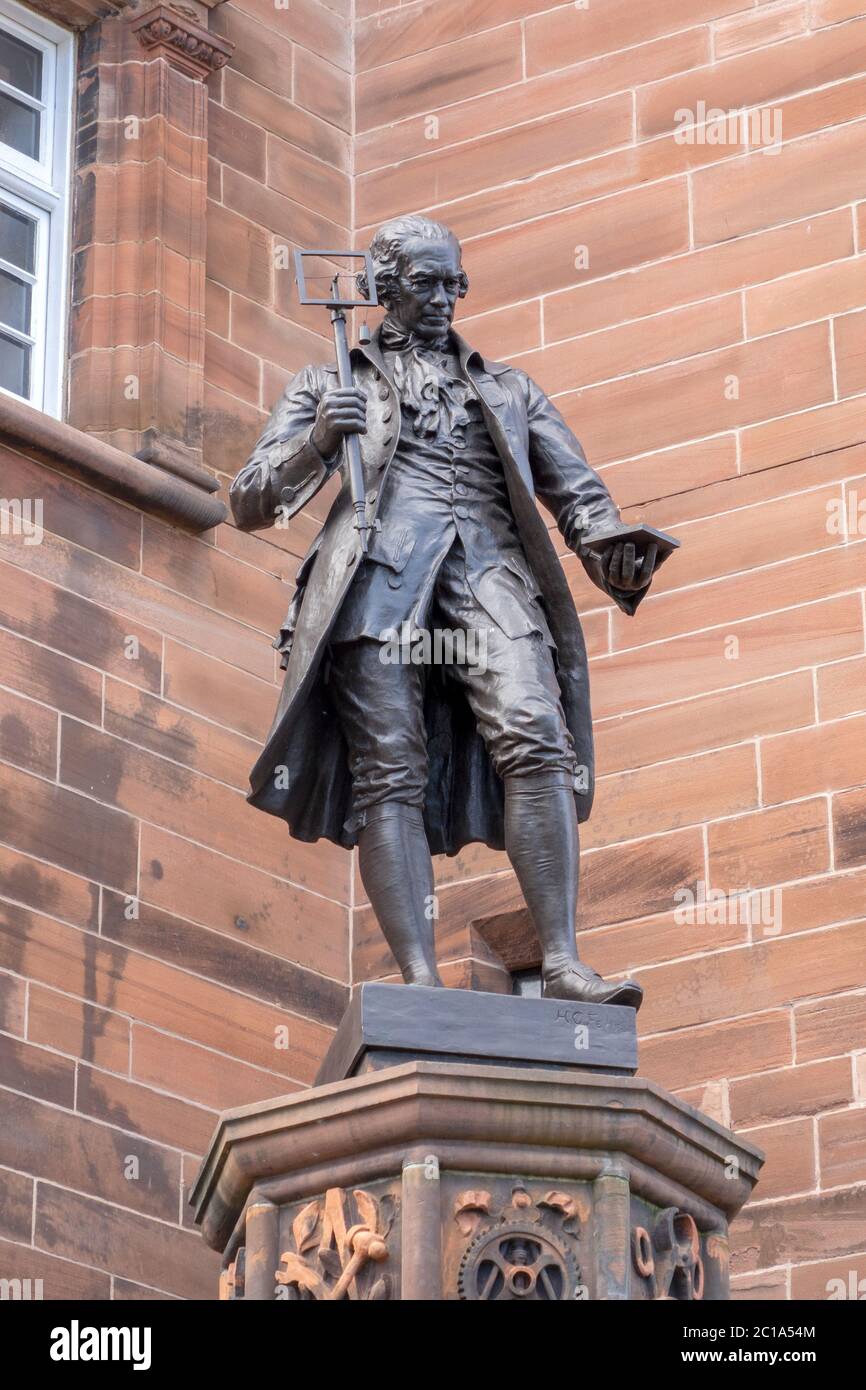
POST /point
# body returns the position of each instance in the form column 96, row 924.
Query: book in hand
column 639, row 534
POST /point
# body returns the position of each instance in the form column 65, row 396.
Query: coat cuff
column 297, row 470
column 297, row 451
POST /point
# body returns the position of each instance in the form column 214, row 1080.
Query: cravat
column 423, row 385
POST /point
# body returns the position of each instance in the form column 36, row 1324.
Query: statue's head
column 419, row 277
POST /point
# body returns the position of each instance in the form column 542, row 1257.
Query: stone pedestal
column 428, row 1171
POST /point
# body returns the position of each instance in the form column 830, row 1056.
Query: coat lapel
column 506, row 429
column 372, row 352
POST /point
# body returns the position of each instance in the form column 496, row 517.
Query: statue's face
column 429, row 287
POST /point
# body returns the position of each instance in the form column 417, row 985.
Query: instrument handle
column 351, row 442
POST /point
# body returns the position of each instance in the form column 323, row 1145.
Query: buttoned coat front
column 302, row 774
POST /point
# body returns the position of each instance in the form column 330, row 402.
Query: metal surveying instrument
column 338, row 306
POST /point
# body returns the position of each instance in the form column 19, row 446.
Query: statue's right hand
column 341, row 411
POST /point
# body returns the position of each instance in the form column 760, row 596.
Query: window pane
column 20, row 65
column 14, row 366
column 17, row 238
column 14, row 302
column 19, row 126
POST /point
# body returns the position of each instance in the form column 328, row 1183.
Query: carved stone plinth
column 440, row 1179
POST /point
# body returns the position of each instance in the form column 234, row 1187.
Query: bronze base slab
column 388, row 1024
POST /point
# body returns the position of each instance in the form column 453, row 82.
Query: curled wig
column 386, row 250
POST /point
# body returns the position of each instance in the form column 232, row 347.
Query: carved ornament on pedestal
column 528, row 1252
column 338, row 1243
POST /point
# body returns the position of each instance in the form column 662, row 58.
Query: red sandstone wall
column 712, row 358
column 159, row 940
column 279, row 178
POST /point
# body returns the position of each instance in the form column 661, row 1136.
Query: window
column 35, row 101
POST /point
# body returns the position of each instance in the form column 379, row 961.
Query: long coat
column 302, row 774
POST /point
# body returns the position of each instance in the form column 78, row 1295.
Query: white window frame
column 41, row 188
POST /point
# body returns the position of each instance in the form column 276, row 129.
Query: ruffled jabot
column 428, row 382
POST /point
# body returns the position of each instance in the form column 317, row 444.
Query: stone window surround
column 163, row 475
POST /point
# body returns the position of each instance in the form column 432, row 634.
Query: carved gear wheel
column 518, row 1260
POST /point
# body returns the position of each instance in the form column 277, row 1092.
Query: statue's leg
column 397, row 873
column 541, row 840
column 515, row 697
column 381, row 711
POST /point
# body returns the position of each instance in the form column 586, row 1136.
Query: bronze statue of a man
column 405, row 758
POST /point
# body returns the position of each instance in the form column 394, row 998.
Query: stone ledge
column 477, row 1118
column 120, row 475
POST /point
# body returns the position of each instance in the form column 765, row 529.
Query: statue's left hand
column 629, row 568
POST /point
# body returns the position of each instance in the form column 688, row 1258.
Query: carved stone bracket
column 171, row 33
